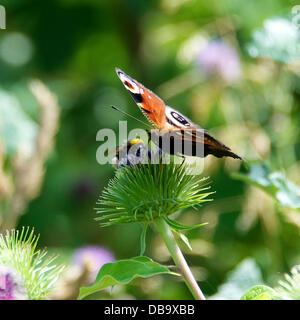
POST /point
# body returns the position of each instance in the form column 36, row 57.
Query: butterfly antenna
column 129, row 115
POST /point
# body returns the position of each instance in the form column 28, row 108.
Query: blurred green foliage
column 73, row 47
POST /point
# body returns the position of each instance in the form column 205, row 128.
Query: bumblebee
column 129, row 154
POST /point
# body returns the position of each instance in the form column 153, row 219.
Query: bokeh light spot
column 16, row 49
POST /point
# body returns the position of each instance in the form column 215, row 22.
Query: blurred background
column 231, row 66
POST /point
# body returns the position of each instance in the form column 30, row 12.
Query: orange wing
column 149, row 103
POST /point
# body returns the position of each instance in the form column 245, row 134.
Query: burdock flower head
column 25, row 272
column 144, row 192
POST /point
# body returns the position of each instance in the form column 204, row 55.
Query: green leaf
column 122, row 272
column 143, row 238
column 277, row 40
column 259, row 292
column 185, row 240
column 178, row 226
column 274, row 183
column 288, row 193
column 245, row 275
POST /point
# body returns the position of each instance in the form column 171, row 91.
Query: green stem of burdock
column 178, row 258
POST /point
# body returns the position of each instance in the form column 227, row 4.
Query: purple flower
column 93, row 258
column 11, row 286
column 218, row 58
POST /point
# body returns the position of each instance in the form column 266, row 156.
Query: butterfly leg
column 183, row 161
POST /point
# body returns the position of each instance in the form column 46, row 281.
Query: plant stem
column 178, row 258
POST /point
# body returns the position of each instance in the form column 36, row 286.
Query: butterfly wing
column 190, row 142
column 175, row 119
column 196, row 139
column 149, row 103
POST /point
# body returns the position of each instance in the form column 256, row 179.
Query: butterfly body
column 169, row 122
